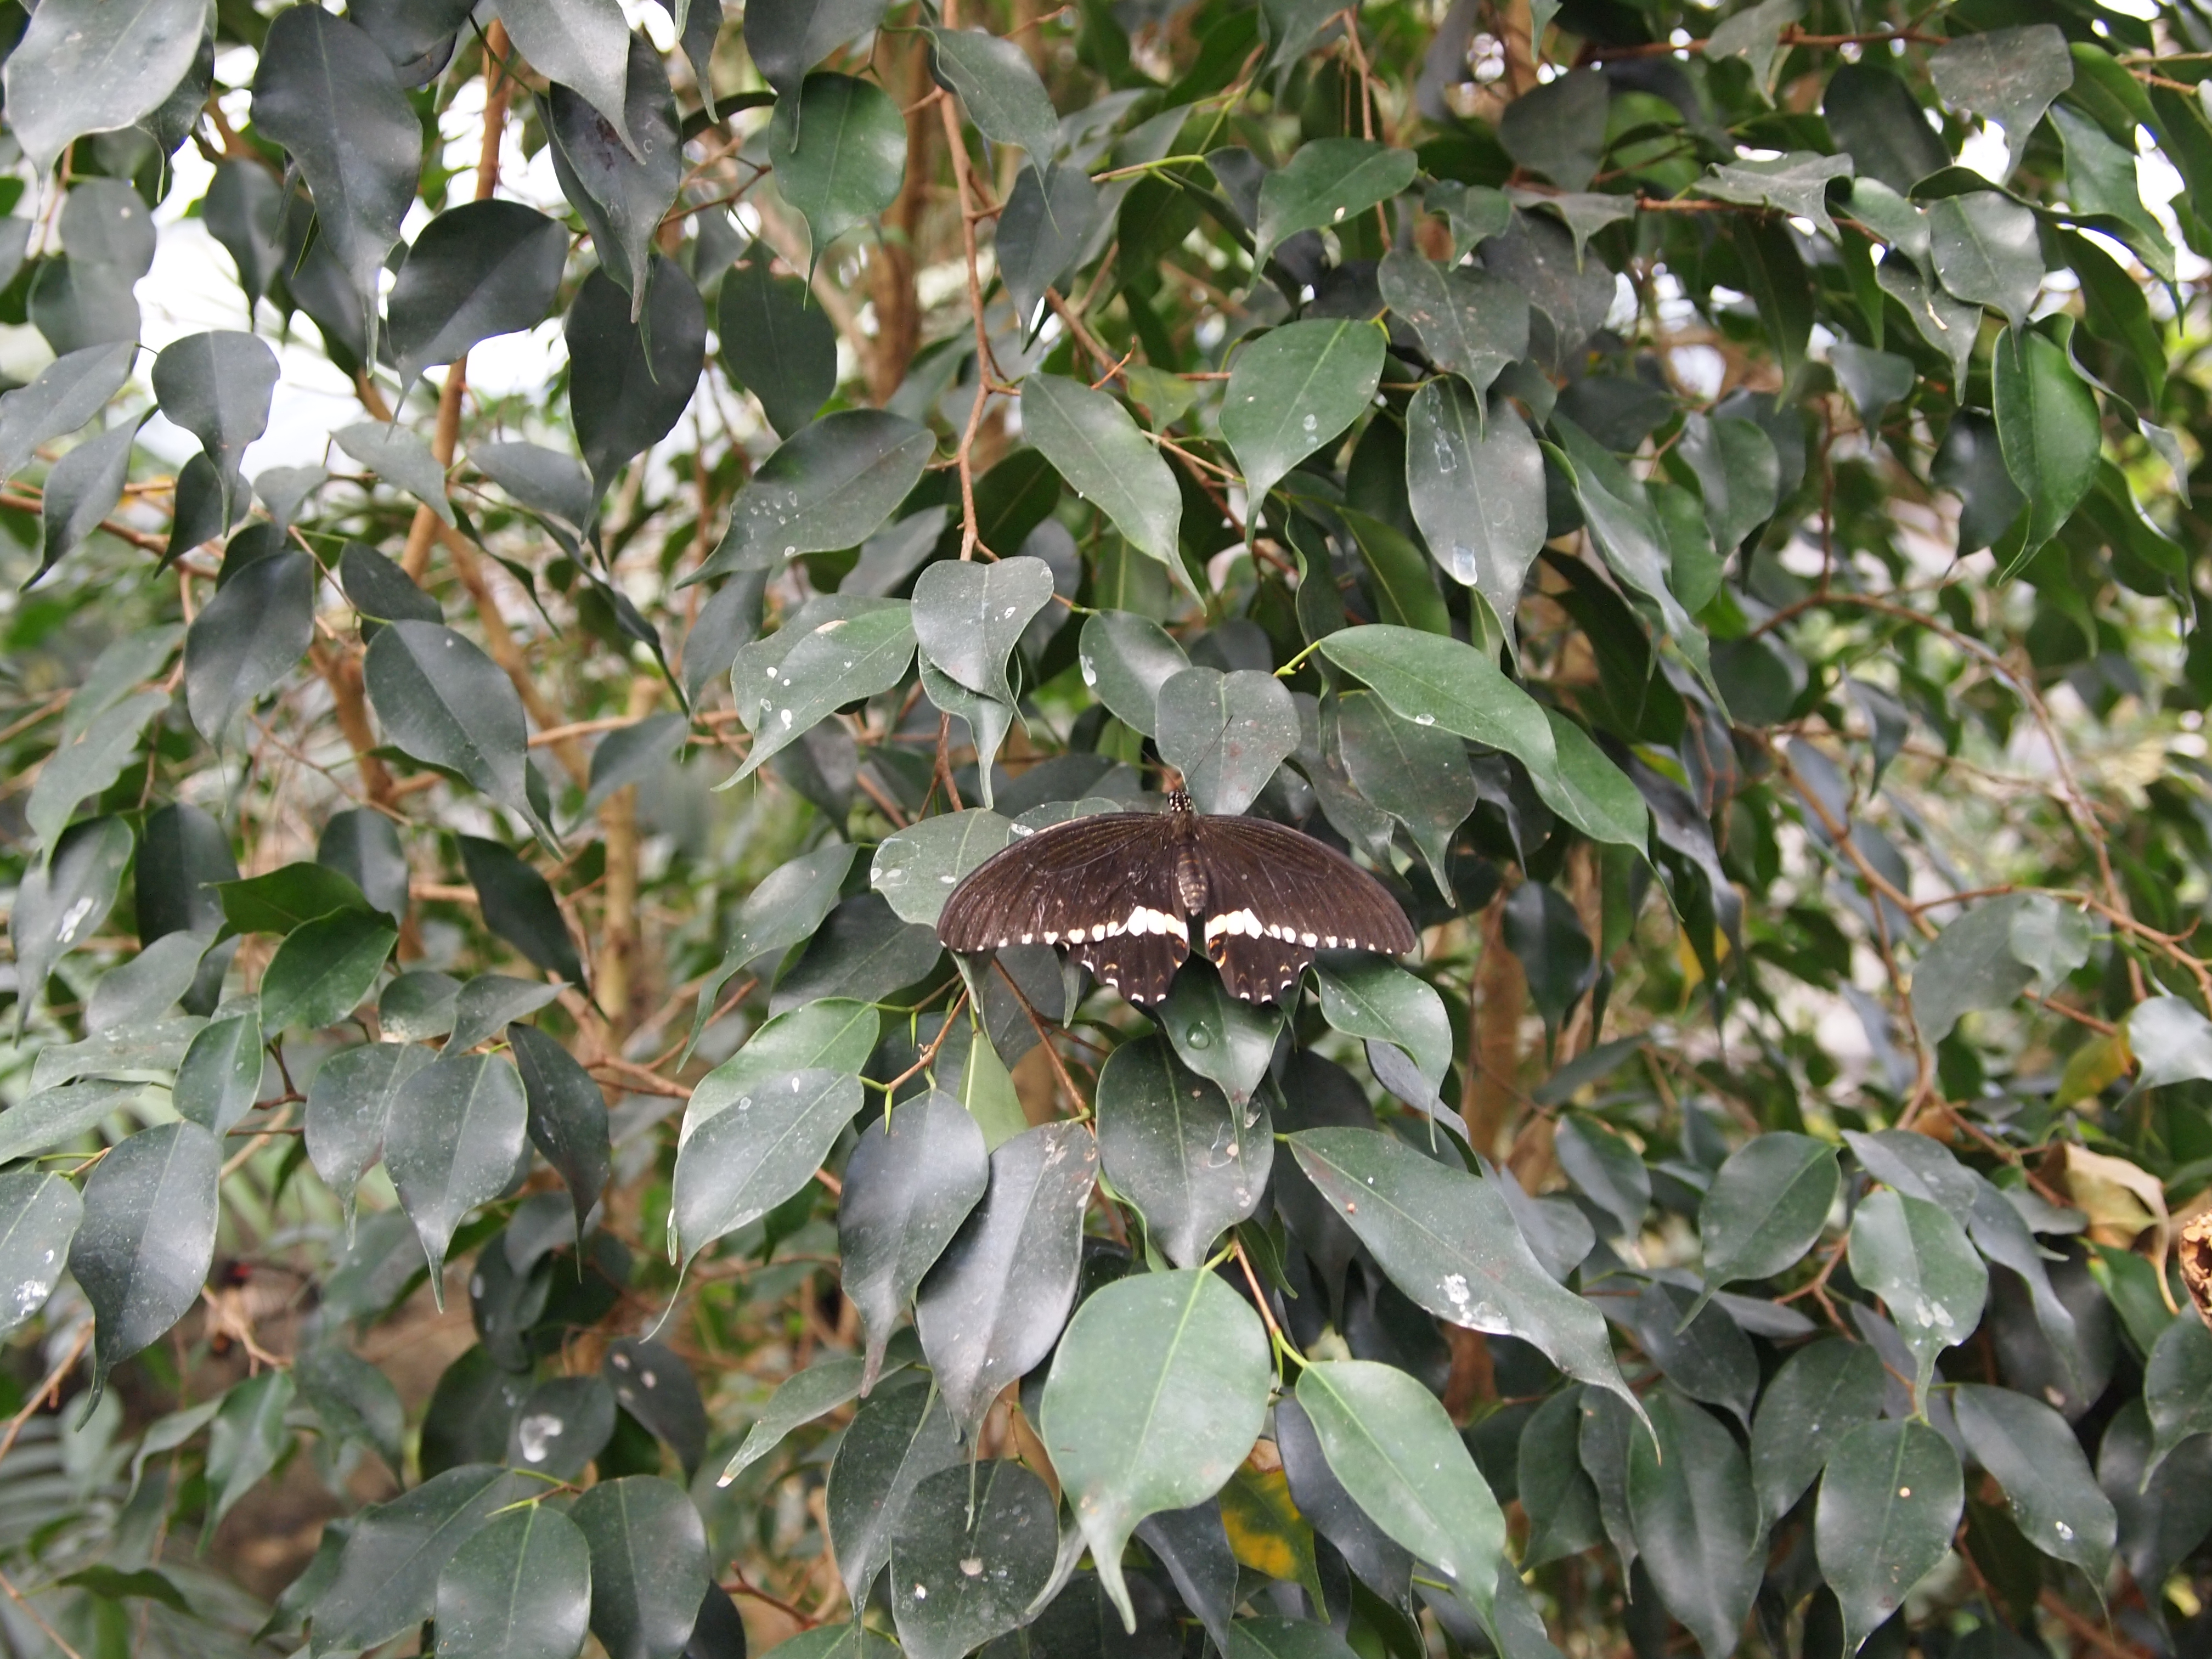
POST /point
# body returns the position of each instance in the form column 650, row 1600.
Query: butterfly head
column 1178, row 802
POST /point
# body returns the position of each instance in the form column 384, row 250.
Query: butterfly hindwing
column 1275, row 896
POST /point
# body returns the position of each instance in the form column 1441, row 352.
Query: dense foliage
column 497, row 1160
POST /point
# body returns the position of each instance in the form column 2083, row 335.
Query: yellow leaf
column 2092, row 1068
column 1265, row 1531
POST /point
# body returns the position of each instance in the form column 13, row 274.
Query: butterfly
column 1127, row 894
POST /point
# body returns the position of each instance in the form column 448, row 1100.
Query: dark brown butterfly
column 1125, row 893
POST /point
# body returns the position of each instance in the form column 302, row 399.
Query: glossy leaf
column 143, row 1251
column 451, row 1140
column 970, row 1554
column 220, row 1075
column 323, row 970
column 476, row 271
column 386, row 1575
column 649, row 1564
column 1295, row 389
column 39, row 1213
column 1093, row 444
column 896, row 1441
column 838, row 662
column 1172, row 1144
column 520, row 1589
column 1984, row 248
column 1372, row 997
column 777, row 342
column 1822, row 1394
column 994, row 1305
column 1766, row 1207
column 787, row 37
column 2047, row 428
column 839, row 152
column 1697, row 1528
column 1004, row 98
column 620, row 170
column 1477, row 492
column 1125, row 660
column 257, row 625
column 912, row 1179
column 1471, row 322
column 1388, row 1442
column 2032, row 1451
column 832, row 485
column 1226, row 733
column 66, row 394
column 350, row 1102
column 631, row 377
column 445, row 702
column 1890, row 1502
column 1231, row 1042
column 1157, row 1391
column 755, row 1153
column 579, row 44
column 567, row 1117
column 785, row 907
column 916, row 869
column 1325, row 182
column 1915, row 1256
column 968, row 616
column 1448, row 1241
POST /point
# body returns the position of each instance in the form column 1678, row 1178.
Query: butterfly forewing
column 1106, row 889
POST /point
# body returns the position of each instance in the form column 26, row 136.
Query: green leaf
column 897, row 1439
column 656, row 1388
column 1477, row 492
column 968, row 616
column 1388, row 1442
column 993, row 1306
column 257, row 625
column 837, row 662
column 1158, row 1390
column 2032, row 1451
column 1226, row 733
column 1875, row 380
column 91, row 67
column 38, row 1216
column 1448, row 1241
column 1754, row 34
column 1294, row 389
column 1950, row 325
column 447, row 703
column 484, row 1007
column 756, row 1152
column 520, row 1589
column 324, row 90
column 1170, row 1143
column 142, row 1251
column 81, row 490
column 2048, row 429
column 247, row 1436
column 800, row 1398
column 787, row 907
column 2101, row 180
column 2161, row 1519
column 1558, row 128
column 1765, row 1208
column 1737, row 471
column 1042, row 230
column 1986, row 251
column 971, row 1551
column 1621, row 521
column 518, row 905
column 2172, row 1043
column 398, row 457
column 631, row 379
column 1005, row 99
column 113, row 1584
column 1226, row 1041
column 475, row 272
column 913, row 1177
column 832, row 485
column 649, row 1564
column 217, row 386
column 1398, row 575
column 1796, row 183
column 1419, row 774
column 1284, row 1638
column 2009, row 75
column 567, row 1115
column 580, row 44
column 988, row 1093
column 451, row 1141
column 1822, row 1392
column 377, row 587
column 620, row 168
column 839, row 153
column 323, row 970
column 288, row 895
column 1607, row 1170
column 917, row 868
column 2178, row 1387
column 787, row 38
column 777, row 343
column 1327, row 181
column 1372, row 997
column 350, row 1101
column 1697, row 1523
column 1125, row 659
column 67, row 394
column 1889, row 1503
column 353, row 1399
column 1915, row 1256
column 89, row 766
column 1434, row 681
column 220, row 1075
column 1093, row 444
column 387, row 1573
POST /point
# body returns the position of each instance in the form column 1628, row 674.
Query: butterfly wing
column 1103, row 887
column 1275, row 896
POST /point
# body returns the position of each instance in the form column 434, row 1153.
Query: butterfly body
column 1128, row 894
